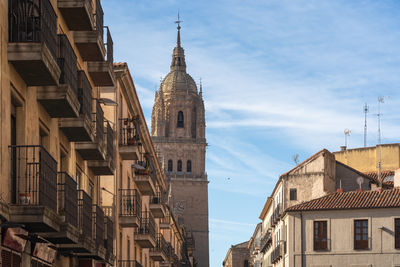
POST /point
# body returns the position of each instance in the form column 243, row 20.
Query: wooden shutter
column 361, row 234
column 397, row 232
column 320, row 235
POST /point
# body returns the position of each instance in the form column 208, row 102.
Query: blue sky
column 280, row 78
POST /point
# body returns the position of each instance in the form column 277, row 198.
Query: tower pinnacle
column 178, row 39
column 178, row 56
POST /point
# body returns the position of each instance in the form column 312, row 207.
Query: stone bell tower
column 178, row 132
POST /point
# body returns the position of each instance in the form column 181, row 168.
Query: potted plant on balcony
column 24, row 198
column 62, row 214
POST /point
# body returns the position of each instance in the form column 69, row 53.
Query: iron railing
column 84, row 94
column 166, row 219
column 109, row 234
column 67, row 198
column 33, row 176
column 98, row 225
column 128, row 263
column 99, row 19
column 161, row 245
column 129, row 132
column 276, row 254
column 33, row 21
column 110, row 47
column 130, row 204
column 85, row 213
column 66, row 60
column 110, row 143
column 159, row 198
column 266, row 241
column 276, row 215
column 147, row 225
column 98, row 119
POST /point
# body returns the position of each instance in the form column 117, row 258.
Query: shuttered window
column 293, row 194
column 10, row 259
column 320, row 235
column 361, row 234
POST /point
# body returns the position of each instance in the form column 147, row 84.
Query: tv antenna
column 366, row 110
column 296, row 159
column 380, row 100
column 347, row 133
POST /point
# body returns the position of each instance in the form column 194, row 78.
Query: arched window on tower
column 179, row 166
column 170, row 167
column 189, row 166
column 180, row 120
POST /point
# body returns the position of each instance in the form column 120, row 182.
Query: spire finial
column 201, row 87
column 178, row 40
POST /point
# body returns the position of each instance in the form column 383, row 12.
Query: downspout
column 301, row 239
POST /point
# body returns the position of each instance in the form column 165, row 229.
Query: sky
column 280, row 78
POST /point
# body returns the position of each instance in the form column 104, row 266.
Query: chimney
column 397, row 178
column 343, row 148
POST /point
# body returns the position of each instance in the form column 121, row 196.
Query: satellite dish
column 360, row 181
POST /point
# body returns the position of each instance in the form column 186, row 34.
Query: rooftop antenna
column 380, row 100
column 347, row 133
column 366, row 110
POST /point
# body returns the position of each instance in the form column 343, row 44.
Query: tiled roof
column 386, row 177
column 352, row 200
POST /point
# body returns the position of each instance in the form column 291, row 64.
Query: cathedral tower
column 178, row 132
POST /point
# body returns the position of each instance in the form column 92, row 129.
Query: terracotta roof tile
column 386, row 177
column 352, row 200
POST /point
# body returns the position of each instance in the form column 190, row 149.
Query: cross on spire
column 178, row 39
column 178, row 22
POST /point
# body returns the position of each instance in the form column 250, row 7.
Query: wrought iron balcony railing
column 66, row 60
column 33, row 21
column 276, row 254
column 67, row 198
column 110, row 143
column 161, row 245
column 98, row 225
column 109, row 234
column 84, row 94
column 99, row 19
column 85, row 213
column 98, row 119
column 266, row 241
column 159, row 198
column 110, row 47
column 147, row 225
column 130, row 204
column 33, row 176
column 129, row 132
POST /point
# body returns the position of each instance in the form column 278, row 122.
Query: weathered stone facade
column 178, row 132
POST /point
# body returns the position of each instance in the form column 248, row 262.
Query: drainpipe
column 302, row 239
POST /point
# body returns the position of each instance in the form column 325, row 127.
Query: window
column 180, row 120
column 397, row 232
column 361, row 234
column 170, row 166
column 189, row 166
column 293, row 194
column 320, row 235
column 179, row 165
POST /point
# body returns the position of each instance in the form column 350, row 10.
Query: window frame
column 179, row 166
column 180, row 122
column 318, row 239
column 170, row 165
column 362, row 244
column 189, row 166
column 294, row 192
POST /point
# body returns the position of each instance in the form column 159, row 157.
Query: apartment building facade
column 80, row 182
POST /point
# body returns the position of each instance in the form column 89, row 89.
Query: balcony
column 160, row 251
column 276, row 215
column 68, row 211
column 101, row 71
column 165, row 222
column 34, row 189
column 109, row 239
column 276, row 254
column 128, row 263
column 80, row 129
column 78, row 14
column 145, row 180
column 157, row 206
column 62, row 101
column 266, row 241
column 98, row 220
column 129, row 139
column 106, row 166
column 90, row 42
column 145, row 234
column 130, row 208
column 94, row 150
column 32, row 47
